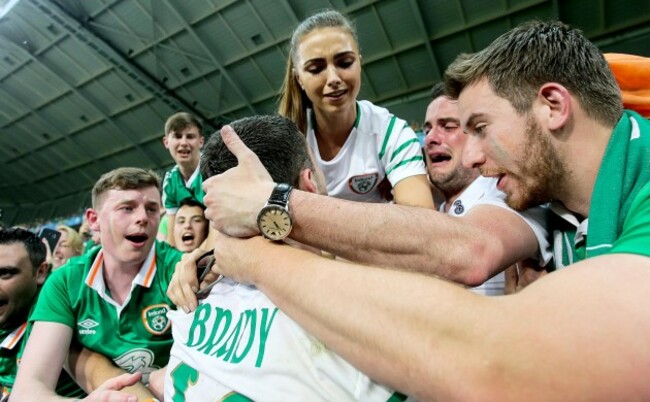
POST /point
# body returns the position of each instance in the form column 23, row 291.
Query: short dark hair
column 181, row 120
column 32, row 243
column 191, row 202
column 126, row 178
column 520, row 61
column 282, row 149
column 438, row 90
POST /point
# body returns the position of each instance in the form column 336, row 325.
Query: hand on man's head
column 234, row 198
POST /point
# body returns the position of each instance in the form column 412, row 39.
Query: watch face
column 274, row 222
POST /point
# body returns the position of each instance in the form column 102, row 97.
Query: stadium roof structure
column 86, row 85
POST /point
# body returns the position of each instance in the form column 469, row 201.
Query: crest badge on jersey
column 155, row 319
column 364, row 183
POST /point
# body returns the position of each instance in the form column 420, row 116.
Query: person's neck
column 187, row 169
column 589, row 140
column 334, row 128
column 119, row 276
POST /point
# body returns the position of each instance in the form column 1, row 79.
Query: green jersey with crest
column 176, row 189
column 135, row 335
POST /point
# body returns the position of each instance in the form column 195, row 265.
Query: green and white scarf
column 625, row 169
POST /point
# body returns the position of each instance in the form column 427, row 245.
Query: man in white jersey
column 463, row 188
column 237, row 344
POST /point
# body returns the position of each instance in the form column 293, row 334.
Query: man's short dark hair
column 438, row 90
column 191, row 202
column 520, row 61
column 282, row 149
column 32, row 243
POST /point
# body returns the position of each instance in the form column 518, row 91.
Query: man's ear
column 41, row 272
column 201, row 141
column 92, row 217
column 165, row 141
column 306, row 181
column 556, row 104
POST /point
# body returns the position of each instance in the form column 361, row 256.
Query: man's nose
column 433, row 137
column 473, row 156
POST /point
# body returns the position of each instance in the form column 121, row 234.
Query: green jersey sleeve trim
column 389, row 131
column 403, row 147
column 404, row 162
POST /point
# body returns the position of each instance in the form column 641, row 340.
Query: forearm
column 91, row 370
column 42, row 363
column 433, row 340
column 407, row 238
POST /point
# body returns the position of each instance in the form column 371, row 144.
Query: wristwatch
column 274, row 220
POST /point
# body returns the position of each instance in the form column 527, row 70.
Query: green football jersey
column 12, row 347
column 176, row 190
column 136, row 335
column 11, row 340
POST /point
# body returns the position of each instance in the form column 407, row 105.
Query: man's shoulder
column 375, row 119
column 75, row 269
column 167, row 254
column 171, row 174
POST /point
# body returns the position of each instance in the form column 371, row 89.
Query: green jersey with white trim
column 380, row 145
column 176, row 189
column 135, row 335
column 11, row 339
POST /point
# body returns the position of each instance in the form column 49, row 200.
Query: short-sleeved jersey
column 239, row 345
column 11, row 340
column 12, row 345
column 136, row 335
column 380, row 145
column 484, row 191
column 176, row 189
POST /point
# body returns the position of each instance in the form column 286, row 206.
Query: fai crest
column 155, row 319
column 364, row 183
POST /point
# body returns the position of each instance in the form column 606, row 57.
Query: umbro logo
column 86, row 326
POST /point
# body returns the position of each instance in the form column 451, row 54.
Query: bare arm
column 41, row 366
column 563, row 337
column 467, row 250
column 91, row 370
column 414, row 191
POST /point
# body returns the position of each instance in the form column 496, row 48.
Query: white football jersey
column 484, row 191
column 380, row 145
column 239, row 346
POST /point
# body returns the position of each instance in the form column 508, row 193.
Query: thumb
column 236, row 145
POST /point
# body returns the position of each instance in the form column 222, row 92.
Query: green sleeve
column 53, row 303
column 635, row 238
column 167, row 257
column 168, row 193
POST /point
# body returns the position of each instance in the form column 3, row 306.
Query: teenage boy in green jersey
column 111, row 300
column 183, row 139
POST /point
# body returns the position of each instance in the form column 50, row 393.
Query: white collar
column 144, row 278
column 14, row 337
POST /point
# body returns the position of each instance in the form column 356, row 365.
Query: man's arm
column 487, row 239
column 414, row 191
column 562, row 337
column 91, row 370
column 41, row 366
column 468, row 249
